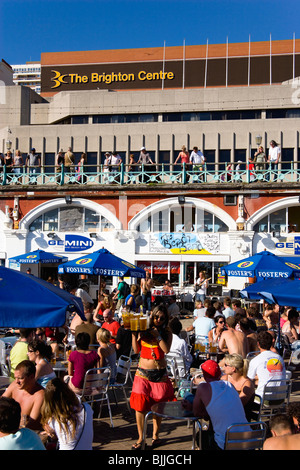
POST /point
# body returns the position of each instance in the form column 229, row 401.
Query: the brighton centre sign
column 197, row 72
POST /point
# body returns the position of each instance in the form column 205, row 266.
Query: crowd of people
column 258, row 165
column 39, row 410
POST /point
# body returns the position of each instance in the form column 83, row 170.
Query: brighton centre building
column 111, row 131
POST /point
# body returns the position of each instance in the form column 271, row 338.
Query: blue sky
column 29, row 27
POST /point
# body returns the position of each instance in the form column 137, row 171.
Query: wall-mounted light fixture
column 68, row 199
column 51, row 235
column 240, row 223
column 258, row 140
column 181, row 199
column 276, row 234
column 8, row 144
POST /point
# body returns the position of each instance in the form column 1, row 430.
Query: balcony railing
column 210, row 173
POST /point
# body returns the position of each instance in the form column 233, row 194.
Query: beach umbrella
column 39, row 256
column 264, row 265
column 279, row 291
column 29, row 302
column 103, row 263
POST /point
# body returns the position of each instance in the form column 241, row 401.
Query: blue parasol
column 102, row 263
column 38, row 256
column 277, row 291
column 29, row 302
column 264, row 265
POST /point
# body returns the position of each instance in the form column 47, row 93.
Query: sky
column 30, row 27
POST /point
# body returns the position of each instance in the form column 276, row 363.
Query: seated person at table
column 88, row 326
column 217, row 401
column 283, row 435
column 12, row 437
column 19, row 351
column 28, row 393
column 214, row 335
column 179, row 346
column 104, row 302
column 232, row 340
column 202, row 325
column 267, row 365
column 65, row 418
column 80, row 361
column 291, row 326
column 110, row 324
column 173, row 308
column 107, row 352
column 235, row 372
column 40, row 353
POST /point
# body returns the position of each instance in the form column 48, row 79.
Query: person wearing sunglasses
column 235, row 371
column 214, row 334
column 151, row 382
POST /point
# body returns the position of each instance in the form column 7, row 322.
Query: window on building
column 287, row 158
column 182, row 218
column 51, row 220
column 71, row 219
column 278, row 221
column 164, row 158
column 49, row 162
column 80, row 119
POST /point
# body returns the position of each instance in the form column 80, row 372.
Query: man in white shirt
column 197, row 159
column 268, row 365
column 273, row 159
column 179, row 346
column 115, row 161
column 227, row 312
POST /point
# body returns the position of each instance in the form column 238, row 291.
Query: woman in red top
column 183, row 155
column 151, row 383
column 80, row 361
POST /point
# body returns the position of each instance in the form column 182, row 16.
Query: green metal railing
column 149, row 174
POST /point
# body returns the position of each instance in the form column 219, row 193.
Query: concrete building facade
column 144, row 223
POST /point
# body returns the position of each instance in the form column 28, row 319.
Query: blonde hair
column 134, row 288
column 103, row 335
column 237, row 361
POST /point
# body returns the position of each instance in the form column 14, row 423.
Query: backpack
column 126, row 289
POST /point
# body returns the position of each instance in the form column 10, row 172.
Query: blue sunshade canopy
column 29, row 302
column 103, row 263
column 262, row 265
column 38, row 256
column 277, row 291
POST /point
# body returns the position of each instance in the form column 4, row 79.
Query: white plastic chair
column 122, row 376
column 4, row 360
column 176, row 368
column 95, row 388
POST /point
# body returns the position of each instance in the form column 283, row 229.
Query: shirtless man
column 233, row 341
column 146, row 285
column 28, row 393
column 281, row 427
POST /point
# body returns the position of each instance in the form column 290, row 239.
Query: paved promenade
column 175, row 436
